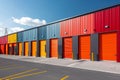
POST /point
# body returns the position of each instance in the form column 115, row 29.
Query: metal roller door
column 26, row 48
column 34, row 48
column 43, row 48
column 84, row 47
column 20, row 49
column 108, row 46
column 68, row 48
column 54, row 48
column 10, row 49
column 2, row 49
column 14, row 49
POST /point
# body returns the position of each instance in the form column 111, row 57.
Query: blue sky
column 14, row 13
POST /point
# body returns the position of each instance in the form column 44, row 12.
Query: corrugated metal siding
column 30, row 35
column 77, row 26
column 12, row 38
column 53, row 31
column 42, row 33
column 87, row 24
column 20, row 37
column 65, row 28
column 3, row 40
column 109, row 17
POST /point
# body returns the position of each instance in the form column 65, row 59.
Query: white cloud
column 29, row 21
column 10, row 30
column 1, row 31
column 15, row 29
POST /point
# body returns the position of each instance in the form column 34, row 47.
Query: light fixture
column 106, row 26
column 65, row 32
column 85, row 30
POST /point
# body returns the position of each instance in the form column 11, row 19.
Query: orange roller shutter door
column 34, row 48
column 54, row 48
column 20, row 49
column 68, row 48
column 108, row 46
column 3, row 49
column 84, row 47
column 26, row 48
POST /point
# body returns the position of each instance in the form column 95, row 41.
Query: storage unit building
column 93, row 36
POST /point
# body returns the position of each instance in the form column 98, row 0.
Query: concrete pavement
column 12, row 69
column 103, row 66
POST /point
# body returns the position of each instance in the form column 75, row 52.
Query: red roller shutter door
column 54, row 48
column 68, row 48
column 108, row 46
column 84, row 47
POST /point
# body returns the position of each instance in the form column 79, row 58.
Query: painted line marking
column 16, row 74
column 12, row 68
column 8, row 66
column 26, row 75
column 65, row 77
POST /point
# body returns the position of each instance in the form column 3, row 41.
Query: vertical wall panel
column 20, row 37
column 86, row 24
column 75, row 47
column 12, row 38
column 42, row 33
column 3, row 40
column 30, row 35
column 108, row 17
column 60, row 48
column 94, row 47
column 53, row 31
column 78, row 26
column 47, row 48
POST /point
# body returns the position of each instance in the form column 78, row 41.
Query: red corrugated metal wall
column 109, row 17
column 87, row 24
column 3, row 40
column 78, row 26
